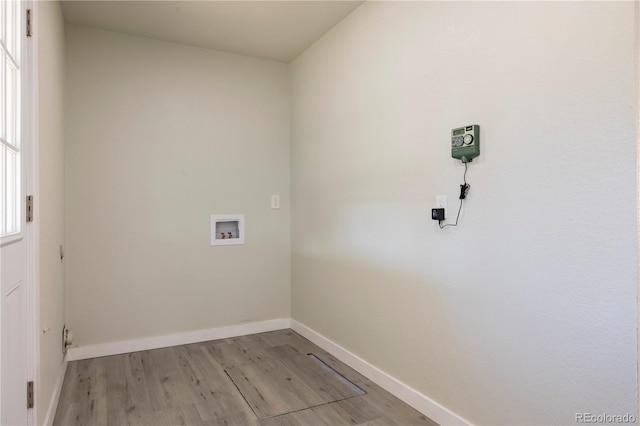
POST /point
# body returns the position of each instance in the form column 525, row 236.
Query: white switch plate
column 441, row 202
column 275, row 201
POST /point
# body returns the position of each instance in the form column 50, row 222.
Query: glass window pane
column 12, row 192
column 10, row 117
column 11, row 28
column 18, row 110
column 3, row 26
column 3, row 127
column 3, row 185
column 17, row 200
column 11, row 106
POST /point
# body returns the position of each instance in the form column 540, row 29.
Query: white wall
column 159, row 137
column 50, row 203
column 525, row 313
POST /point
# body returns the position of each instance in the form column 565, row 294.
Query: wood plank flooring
column 265, row 379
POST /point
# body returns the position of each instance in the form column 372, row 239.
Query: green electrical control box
column 465, row 143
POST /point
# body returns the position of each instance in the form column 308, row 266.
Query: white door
column 14, row 336
column 14, row 356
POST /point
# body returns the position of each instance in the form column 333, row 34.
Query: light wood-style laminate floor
column 266, row 379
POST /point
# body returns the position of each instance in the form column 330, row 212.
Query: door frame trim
column 30, row 111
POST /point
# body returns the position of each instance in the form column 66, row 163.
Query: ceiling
column 275, row 30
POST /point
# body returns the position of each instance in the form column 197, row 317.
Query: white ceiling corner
column 274, row 30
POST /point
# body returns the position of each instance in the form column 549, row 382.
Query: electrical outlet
column 441, row 202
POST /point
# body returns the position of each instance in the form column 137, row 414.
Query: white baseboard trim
column 147, row 343
column 53, row 403
column 417, row 400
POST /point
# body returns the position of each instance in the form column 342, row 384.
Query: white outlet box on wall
column 227, row 229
